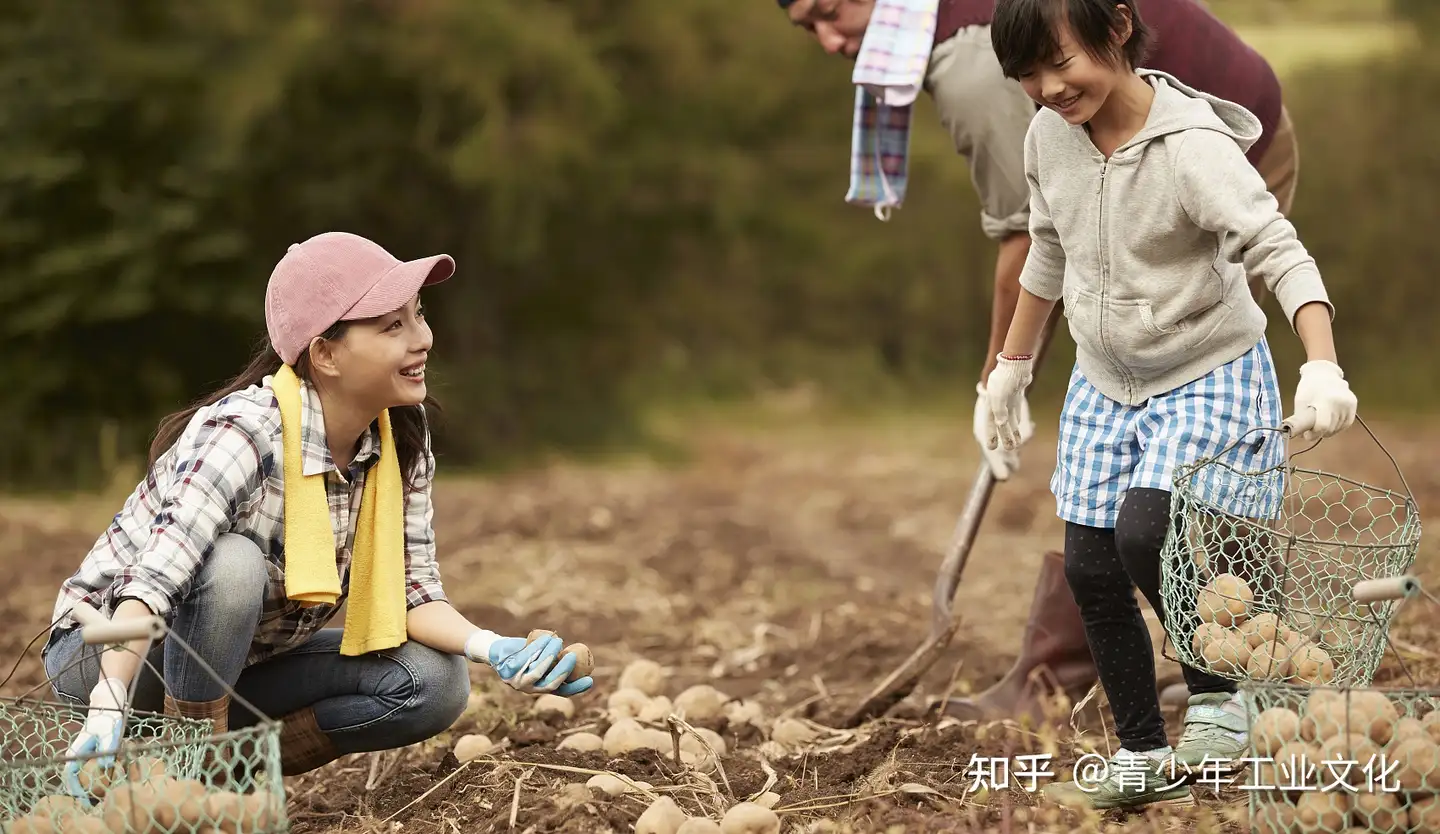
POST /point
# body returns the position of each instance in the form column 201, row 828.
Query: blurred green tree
column 641, row 195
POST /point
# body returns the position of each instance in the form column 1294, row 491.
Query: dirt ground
column 787, row 566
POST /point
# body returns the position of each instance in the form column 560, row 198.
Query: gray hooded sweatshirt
column 1151, row 249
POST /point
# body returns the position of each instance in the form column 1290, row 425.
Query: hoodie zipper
column 1105, row 282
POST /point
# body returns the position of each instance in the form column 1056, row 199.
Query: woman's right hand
column 101, row 731
column 534, row 666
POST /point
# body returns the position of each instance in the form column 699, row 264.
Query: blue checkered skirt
column 1107, row 447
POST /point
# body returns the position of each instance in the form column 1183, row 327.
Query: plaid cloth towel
column 889, row 72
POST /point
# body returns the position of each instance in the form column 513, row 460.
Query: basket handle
column 1300, row 422
column 95, row 629
column 1379, row 590
column 1304, row 420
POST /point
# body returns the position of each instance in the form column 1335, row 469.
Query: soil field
column 789, row 567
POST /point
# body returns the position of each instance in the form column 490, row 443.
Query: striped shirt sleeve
column 422, row 571
column 216, row 467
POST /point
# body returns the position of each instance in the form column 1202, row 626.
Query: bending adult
column 987, row 116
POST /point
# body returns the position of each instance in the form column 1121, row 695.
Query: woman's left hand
column 533, row 667
column 1323, row 388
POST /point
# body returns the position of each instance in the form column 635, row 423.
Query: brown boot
column 1054, row 655
column 217, row 761
column 303, row 745
column 217, row 712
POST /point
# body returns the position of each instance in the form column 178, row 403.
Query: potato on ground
column 583, row 742
column 750, row 818
column 472, row 746
column 626, row 735
column 645, row 676
column 662, row 817
column 701, row 702
column 626, row 703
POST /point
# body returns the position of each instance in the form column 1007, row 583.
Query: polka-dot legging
column 1103, row 567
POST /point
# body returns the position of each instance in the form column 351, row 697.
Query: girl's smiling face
column 378, row 363
column 1069, row 55
column 1072, row 82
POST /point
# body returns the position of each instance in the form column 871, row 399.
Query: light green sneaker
column 1216, row 739
column 1128, row 780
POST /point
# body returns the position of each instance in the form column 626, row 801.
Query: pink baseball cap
column 337, row 276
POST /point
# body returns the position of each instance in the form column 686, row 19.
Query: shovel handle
column 1300, row 422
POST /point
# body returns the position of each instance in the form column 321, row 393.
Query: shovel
column 943, row 621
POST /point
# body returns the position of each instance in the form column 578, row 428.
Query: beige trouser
column 1280, row 166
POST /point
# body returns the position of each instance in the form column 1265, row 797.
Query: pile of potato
column 1233, row 640
column 637, row 710
column 145, row 799
column 1347, row 761
column 665, row 817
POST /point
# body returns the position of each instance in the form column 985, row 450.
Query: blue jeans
column 377, row 701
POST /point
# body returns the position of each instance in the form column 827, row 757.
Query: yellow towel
column 375, row 616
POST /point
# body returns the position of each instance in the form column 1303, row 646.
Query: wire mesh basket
column 1258, row 562
column 170, row 775
column 1339, row 759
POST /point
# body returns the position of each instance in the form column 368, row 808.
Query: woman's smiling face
column 381, row 361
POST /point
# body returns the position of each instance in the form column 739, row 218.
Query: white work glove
column 533, row 667
column 1323, row 388
column 100, row 733
column 1002, row 463
column 1005, row 394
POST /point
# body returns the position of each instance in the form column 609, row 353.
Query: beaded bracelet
column 1021, row 357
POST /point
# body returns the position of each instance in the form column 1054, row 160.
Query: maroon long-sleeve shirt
column 1188, row 42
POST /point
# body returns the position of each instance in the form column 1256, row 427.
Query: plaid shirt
column 225, row 475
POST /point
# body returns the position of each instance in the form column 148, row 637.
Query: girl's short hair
column 1025, row 32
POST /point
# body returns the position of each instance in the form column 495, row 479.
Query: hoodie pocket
column 1082, row 311
column 1146, row 312
column 1141, row 343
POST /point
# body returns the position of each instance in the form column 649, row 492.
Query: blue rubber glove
column 100, row 733
column 534, row 668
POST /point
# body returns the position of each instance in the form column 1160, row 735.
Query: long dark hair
column 1023, row 32
column 407, row 423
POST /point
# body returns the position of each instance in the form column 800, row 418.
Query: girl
column 1146, row 218
column 303, row 483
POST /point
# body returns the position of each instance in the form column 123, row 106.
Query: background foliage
column 644, row 198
